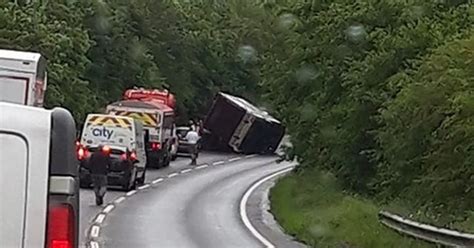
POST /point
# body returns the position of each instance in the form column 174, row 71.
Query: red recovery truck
column 155, row 109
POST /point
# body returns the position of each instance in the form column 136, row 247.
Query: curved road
column 88, row 209
column 197, row 207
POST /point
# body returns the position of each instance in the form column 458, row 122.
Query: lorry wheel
column 129, row 184
column 167, row 160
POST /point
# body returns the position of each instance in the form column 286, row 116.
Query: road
column 187, row 207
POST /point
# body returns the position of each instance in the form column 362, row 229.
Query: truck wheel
column 129, row 184
column 167, row 160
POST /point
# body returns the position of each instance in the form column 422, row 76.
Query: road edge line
column 243, row 205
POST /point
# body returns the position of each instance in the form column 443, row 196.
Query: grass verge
column 313, row 209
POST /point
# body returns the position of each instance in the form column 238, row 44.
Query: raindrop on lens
column 247, row 53
column 356, row 33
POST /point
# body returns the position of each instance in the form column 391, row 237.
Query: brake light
column 82, row 153
column 61, row 228
column 133, row 156
column 155, row 146
column 123, row 156
column 106, row 150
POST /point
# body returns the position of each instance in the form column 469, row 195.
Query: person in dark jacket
column 99, row 165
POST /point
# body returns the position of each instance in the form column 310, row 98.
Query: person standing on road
column 99, row 166
column 192, row 138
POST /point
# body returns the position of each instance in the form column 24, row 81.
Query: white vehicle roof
column 20, row 56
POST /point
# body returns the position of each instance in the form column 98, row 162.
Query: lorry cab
column 23, row 76
column 123, row 140
column 158, row 123
column 39, row 178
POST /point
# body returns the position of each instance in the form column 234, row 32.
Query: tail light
column 133, row 156
column 82, row 153
column 106, row 150
column 61, row 228
column 155, row 146
column 123, row 156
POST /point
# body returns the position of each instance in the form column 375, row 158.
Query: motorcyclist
column 99, row 167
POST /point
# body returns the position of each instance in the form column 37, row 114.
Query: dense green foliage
column 379, row 93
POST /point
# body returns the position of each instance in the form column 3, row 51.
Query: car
column 122, row 140
column 40, row 185
column 183, row 145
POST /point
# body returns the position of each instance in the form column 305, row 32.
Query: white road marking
column 201, row 166
column 186, row 171
column 130, row 193
column 243, row 207
column 250, row 156
column 95, row 231
column 100, row 218
column 235, row 159
column 109, row 208
column 218, row 163
column 172, row 175
column 146, row 186
column 157, row 180
column 94, row 244
column 119, row 200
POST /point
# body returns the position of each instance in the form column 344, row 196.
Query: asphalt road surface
column 181, row 206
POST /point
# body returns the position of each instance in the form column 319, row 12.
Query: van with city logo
column 122, row 139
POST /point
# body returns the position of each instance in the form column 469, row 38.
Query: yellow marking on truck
column 109, row 121
column 147, row 119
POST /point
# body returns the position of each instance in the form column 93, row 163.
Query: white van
column 22, row 77
column 125, row 139
column 39, row 185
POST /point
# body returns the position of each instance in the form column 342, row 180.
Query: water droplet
column 305, row 74
column 318, row 231
column 287, row 21
column 247, row 54
column 356, row 33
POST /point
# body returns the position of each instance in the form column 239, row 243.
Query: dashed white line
column 250, row 156
column 243, row 207
column 130, row 193
column 109, row 208
column 186, row 171
column 201, row 166
column 235, row 159
column 95, row 231
column 100, row 218
column 94, row 244
column 146, row 186
column 119, row 200
column 172, row 175
column 157, row 180
column 218, row 163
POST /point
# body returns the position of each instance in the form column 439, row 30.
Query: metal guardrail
column 426, row 232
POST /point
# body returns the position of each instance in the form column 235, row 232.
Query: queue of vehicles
column 39, row 170
column 136, row 132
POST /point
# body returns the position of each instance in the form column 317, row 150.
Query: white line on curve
column 100, row 218
column 218, row 163
column 250, row 156
column 157, row 180
column 172, row 175
column 201, row 166
column 95, row 231
column 109, row 208
column 235, row 159
column 94, row 244
column 130, row 193
column 243, row 206
column 186, row 171
column 119, row 200
column 146, row 186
